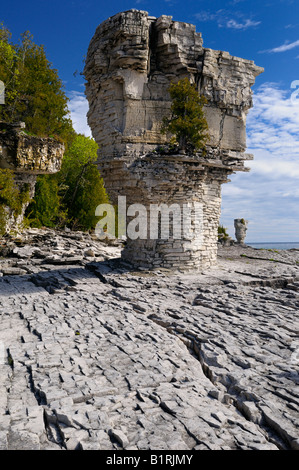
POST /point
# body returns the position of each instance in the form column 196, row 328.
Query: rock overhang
column 24, row 153
column 131, row 61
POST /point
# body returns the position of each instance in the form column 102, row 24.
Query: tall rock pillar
column 131, row 61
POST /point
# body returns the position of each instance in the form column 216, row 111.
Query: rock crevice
column 108, row 357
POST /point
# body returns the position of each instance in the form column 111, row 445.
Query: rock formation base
column 131, row 61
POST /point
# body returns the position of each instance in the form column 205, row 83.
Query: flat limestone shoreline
column 97, row 355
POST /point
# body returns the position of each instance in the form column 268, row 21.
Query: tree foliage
column 45, row 209
column 187, row 121
column 222, row 233
column 33, row 90
column 35, row 94
column 71, row 196
column 82, row 186
column 12, row 198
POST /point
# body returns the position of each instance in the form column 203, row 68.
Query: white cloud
column 273, row 123
column 291, row 26
column 268, row 196
column 207, row 15
column 287, row 46
column 224, row 19
column 242, row 26
column 78, row 106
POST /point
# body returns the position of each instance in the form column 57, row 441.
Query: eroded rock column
column 240, row 229
column 131, row 61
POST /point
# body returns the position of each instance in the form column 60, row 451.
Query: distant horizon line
column 256, row 243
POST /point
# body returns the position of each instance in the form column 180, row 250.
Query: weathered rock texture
column 97, row 356
column 240, row 229
column 131, row 61
column 24, row 153
column 27, row 156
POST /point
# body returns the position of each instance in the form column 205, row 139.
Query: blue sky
column 266, row 32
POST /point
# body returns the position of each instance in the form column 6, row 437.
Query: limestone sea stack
column 132, row 59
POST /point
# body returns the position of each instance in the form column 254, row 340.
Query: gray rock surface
column 240, row 229
column 96, row 355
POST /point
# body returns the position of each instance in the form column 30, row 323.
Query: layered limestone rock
column 25, row 153
column 240, row 229
column 27, row 156
column 131, row 61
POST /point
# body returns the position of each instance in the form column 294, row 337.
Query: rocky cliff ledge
column 27, row 156
column 24, row 153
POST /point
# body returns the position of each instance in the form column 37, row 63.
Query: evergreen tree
column 9, row 73
column 187, row 121
column 33, row 90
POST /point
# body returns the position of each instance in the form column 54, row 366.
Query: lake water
column 275, row 245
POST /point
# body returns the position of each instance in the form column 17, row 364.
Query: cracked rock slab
column 206, row 361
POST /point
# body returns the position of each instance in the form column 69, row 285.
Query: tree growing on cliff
column 187, row 121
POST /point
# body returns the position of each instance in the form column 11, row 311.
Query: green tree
column 187, row 121
column 71, row 196
column 45, row 209
column 222, row 233
column 12, row 198
column 34, row 92
column 9, row 73
column 83, row 187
